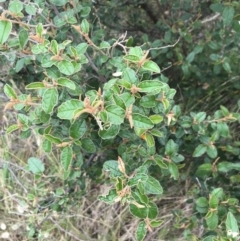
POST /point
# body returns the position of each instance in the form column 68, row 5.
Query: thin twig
column 167, row 46
column 65, row 231
column 91, row 63
column 211, row 18
column 17, row 180
column 12, row 164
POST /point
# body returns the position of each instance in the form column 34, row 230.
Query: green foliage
column 104, row 99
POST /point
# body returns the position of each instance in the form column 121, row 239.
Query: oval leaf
column 200, row 150
column 49, row 100
column 66, row 83
column 5, row 30
column 88, row 145
column 150, row 86
column 66, row 67
column 138, row 212
column 67, row 109
column 35, row 86
column 227, row 15
column 35, row 165
column 151, row 66
column 9, row 92
column 141, row 231
column 115, row 114
column 141, row 121
column 66, row 157
column 152, row 186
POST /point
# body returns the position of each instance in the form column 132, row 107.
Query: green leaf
column 47, row 62
column 81, row 48
column 126, row 84
column 177, row 158
column 12, row 128
column 66, row 157
column 66, row 67
column 156, row 119
column 130, row 76
column 136, row 51
column 66, row 83
column 23, row 119
column 49, row 100
column 141, row 231
column 39, row 29
column 115, row 114
column 67, row 109
column 15, row 6
column 47, row 146
column 112, row 167
column 151, row 66
column 54, row 47
column 110, row 197
column 212, row 220
column 228, row 166
column 53, row 139
column 200, row 117
column 118, row 101
column 166, row 103
column 104, row 45
column 156, row 223
column 171, row 148
column 218, row 192
column 139, row 177
column 212, row 151
column 150, row 140
column 23, row 38
column 141, row 121
column 30, row 9
column 200, row 150
column 152, row 186
column 148, row 101
column 217, row 7
column 138, row 212
column 35, row 86
column 227, row 67
column 59, row 2
column 84, row 26
column 173, row 169
column 232, row 226
column 88, row 145
column 213, row 202
column 152, row 210
column 109, row 133
column 150, row 86
column 227, row 15
column 78, row 129
column 19, row 65
column 127, row 98
column 35, row 165
column 190, row 57
column 202, row 202
column 204, row 170
column 157, row 133
column 59, row 21
column 9, row 92
column 132, row 58
column 160, row 162
column 223, row 129
column 225, row 111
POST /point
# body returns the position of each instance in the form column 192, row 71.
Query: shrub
column 90, row 98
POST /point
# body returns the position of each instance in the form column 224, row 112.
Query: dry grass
column 25, row 201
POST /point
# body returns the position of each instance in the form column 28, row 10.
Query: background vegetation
column 134, row 102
